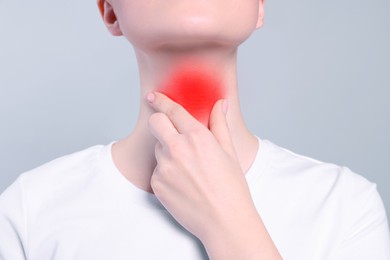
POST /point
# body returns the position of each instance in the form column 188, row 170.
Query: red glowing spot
column 196, row 89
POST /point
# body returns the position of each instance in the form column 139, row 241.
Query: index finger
column 180, row 118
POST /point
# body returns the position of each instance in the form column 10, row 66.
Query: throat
column 194, row 86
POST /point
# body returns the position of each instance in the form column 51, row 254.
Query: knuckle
column 173, row 111
column 157, row 177
column 196, row 136
column 158, row 148
column 155, row 183
column 175, row 148
column 161, row 178
column 163, row 169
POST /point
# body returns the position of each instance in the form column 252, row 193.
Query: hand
column 200, row 182
column 198, row 177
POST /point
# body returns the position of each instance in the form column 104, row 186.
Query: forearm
column 247, row 239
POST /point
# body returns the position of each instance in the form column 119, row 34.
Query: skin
column 169, row 151
column 196, row 88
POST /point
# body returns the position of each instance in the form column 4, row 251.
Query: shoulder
column 331, row 200
column 44, row 189
column 83, row 161
column 306, row 201
column 309, row 173
column 315, row 180
column 58, row 174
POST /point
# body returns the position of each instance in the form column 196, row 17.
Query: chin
column 152, row 24
column 191, row 33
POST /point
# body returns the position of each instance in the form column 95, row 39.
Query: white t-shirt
column 80, row 207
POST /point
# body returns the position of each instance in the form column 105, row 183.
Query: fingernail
column 150, row 97
column 225, row 106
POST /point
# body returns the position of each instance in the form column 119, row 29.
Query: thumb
column 219, row 127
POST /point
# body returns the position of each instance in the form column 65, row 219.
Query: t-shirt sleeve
column 12, row 223
column 366, row 232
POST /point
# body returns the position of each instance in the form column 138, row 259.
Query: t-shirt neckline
column 143, row 197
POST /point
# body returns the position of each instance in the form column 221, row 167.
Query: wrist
column 241, row 237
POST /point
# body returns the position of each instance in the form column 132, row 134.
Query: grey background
column 315, row 80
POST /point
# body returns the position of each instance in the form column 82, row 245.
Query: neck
column 163, row 70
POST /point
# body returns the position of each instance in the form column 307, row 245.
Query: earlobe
column 109, row 17
column 260, row 19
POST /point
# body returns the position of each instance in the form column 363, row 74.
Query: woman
column 190, row 181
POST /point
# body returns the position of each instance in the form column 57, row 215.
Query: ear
column 109, row 17
column 260, row 19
